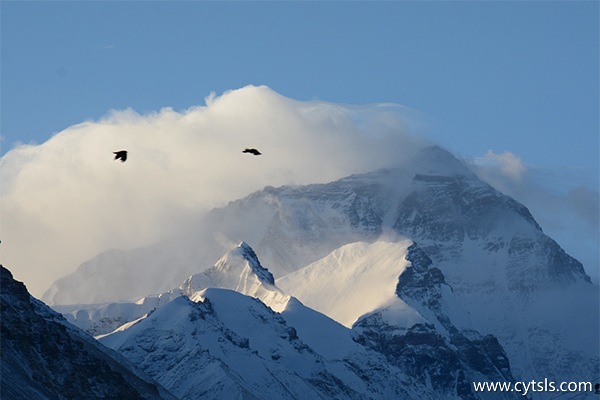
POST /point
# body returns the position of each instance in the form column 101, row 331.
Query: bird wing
column 120, row 155
column 252, row 151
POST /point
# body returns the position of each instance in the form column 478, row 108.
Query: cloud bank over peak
column 66, row 200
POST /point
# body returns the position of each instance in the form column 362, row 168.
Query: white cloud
column 66, row 200
column 505, row 166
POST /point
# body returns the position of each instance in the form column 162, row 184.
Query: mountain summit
column 217, row 343
column 239, row 269
column 511, row 279
column 434, row 200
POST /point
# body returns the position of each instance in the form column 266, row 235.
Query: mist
column 564, row 201
column 66, row 200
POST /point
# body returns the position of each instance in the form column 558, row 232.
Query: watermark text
column 546, row 385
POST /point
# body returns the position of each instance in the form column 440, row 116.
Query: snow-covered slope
column 349, row 363
column 97, row 319
column 239, row 270
column 515, row 282
column 44, row 357
column 362, row 274
column 433, row 198
column 406, row 311
column 505, row 271
column 227, row 345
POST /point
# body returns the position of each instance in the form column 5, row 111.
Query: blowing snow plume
column 64, row 201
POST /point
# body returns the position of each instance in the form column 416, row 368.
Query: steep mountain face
column 434, row 200
column 435, row 351
column 404, row 310
column 221, row 344
column 514, row 281
column 445, row 212
column 239, row 270
column 218, row 343
column 362, row 274
column 503, row 269
column 44, row 357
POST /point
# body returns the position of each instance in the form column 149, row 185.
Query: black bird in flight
column 120, row 155
column 252, row 151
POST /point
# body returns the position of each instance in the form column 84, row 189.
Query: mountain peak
column 239, row 269
column 250, row 256
column 434, row 160
column 10, row 286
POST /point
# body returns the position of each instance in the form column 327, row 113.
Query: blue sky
column 513, row 86
column 502, row 76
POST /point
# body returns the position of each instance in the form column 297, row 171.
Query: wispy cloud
column 507, row 164
column 565, row 201
column 66, row 200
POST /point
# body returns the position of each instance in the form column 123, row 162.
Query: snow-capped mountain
column 239, row 270
column 227, row 345
column 436, row 350
column 508, row 278
column 44, row 357
column 219, row 343
column 362, row 274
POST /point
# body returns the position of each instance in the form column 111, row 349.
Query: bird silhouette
column 252, row 151
column 120, row 155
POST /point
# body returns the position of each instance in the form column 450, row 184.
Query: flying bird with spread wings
column 120, row 155
column 252, row 151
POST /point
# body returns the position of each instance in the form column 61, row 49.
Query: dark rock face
column 449, row 365
column 447, row 210
column 45, row 358
column 441, row 213
column 548, row 265
column 449, row 359
column 261, row 272
column 305, row 223
column 421, row 281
